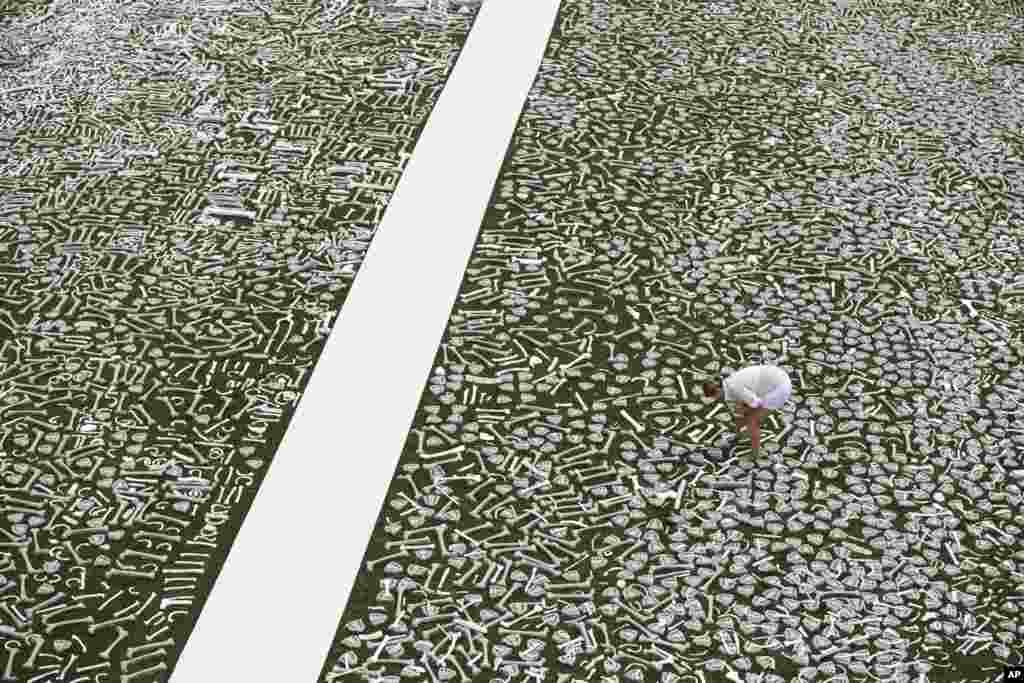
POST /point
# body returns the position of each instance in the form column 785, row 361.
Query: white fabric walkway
column 274, row 610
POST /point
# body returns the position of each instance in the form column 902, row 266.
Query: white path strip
column 274, row 610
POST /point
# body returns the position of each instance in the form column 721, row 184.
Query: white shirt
column 759, row 386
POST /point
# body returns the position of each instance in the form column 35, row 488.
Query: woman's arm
column 742, row 416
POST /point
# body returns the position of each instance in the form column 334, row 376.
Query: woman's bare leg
column 755, row 429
